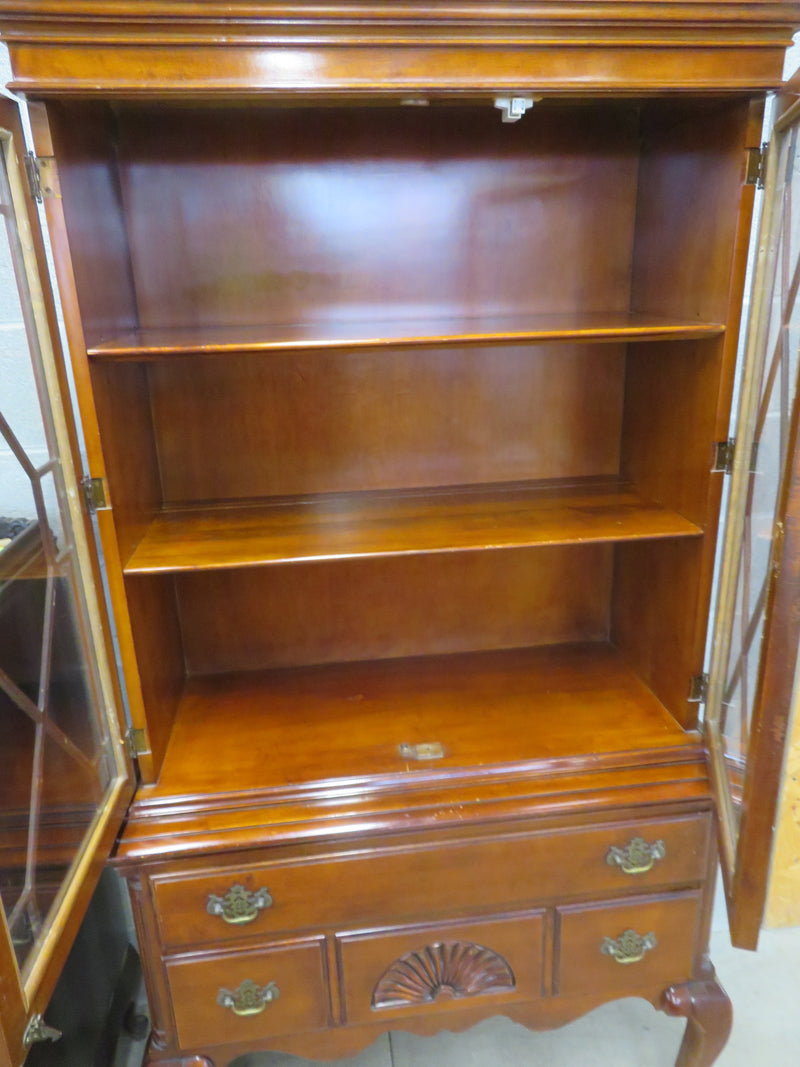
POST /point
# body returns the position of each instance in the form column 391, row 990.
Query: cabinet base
column 703, row 1003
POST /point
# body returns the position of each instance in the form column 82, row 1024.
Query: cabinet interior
column 408, row 418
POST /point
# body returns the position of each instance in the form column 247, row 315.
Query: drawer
column 402, row 883
column 429, row 969
column 626, row 945
column 243, row 996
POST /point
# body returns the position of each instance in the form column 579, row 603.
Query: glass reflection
column 55, row 755
column 776, row 394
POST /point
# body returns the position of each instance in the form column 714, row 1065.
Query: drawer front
column 429, row 969
column 626, row 945
column 245, row 996
column 404, row 883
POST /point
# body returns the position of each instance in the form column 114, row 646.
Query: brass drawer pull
column 637, row 857
column 629, row 947
column 248, row 999
column 238, row 905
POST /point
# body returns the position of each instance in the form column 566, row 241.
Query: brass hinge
column 37, row 1030
column 755, row 166
column 94, row 494
column 42, row 177
column 136, row 740
column 698, row 689
column 723, row 455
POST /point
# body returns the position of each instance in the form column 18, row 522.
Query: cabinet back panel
column 296, row 215
column 423, row 605
column 250, row 426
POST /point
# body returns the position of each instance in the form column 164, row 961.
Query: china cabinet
column 404, row 340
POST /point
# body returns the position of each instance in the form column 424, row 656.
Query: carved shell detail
column 448, row 968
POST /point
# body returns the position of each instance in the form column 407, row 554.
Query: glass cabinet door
column 757, row 627
column 64, row 777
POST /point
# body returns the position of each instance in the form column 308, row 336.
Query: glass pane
column 56, row 760
column 774, row 396
column 70, row 683
column 17, row 740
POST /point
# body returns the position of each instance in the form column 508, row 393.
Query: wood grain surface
column 247, row 731
column 416, row 332
column 404, row 523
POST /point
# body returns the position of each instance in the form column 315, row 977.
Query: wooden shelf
column 409, row 333
column 502, row 709
column 408, row 522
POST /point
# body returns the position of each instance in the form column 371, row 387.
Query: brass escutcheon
column 637, row 857
column 238, row 905
column 248, row 999
column 629, row 947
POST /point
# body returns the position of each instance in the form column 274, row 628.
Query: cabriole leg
column 709, row 1015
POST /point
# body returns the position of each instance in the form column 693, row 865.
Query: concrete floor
column 764, row 988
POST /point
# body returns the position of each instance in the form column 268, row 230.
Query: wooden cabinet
column 407, row 420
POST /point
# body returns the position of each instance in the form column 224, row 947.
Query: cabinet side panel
column 670, row 421
column 656, row 588
column 84, row 143
column 122, row 400
column 288, row 616
column 692, row 229
column 690, row 181
column 159, row 656
column 661, row 592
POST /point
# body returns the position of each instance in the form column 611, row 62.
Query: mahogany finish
column 298, row 970
column 398, row 884
column 244, row 619
column 437, row 333
column 400, row 973
column 555, row 702
column 347, row 526
column 407, row 419
column 582, row 930
column 295, row 424
column 709, row 1016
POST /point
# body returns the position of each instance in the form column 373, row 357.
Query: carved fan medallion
column 448, row 968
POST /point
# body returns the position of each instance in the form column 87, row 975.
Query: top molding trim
column 49, row 18
column 157, row 47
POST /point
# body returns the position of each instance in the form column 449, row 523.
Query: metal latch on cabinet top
column 42, row 177
column 423, row 751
